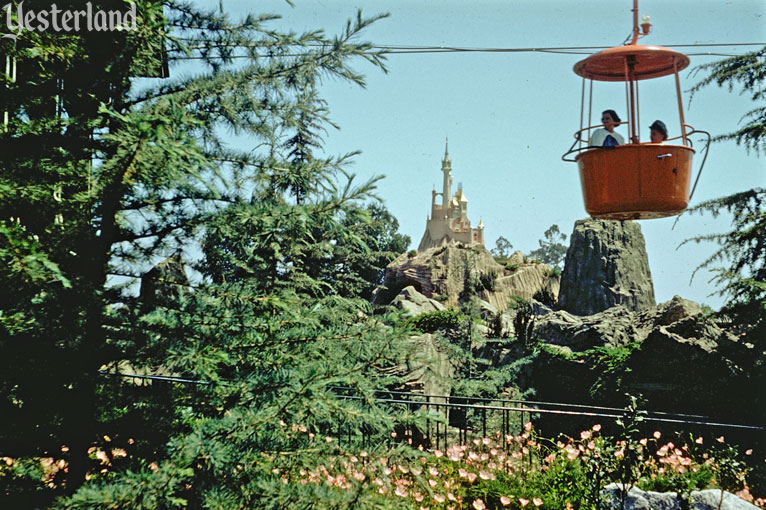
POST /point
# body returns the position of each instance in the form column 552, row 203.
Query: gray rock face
column 709, row 499
column 606, row 265
column 413, row 303
column 618, row 326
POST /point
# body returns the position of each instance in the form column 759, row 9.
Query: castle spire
column 447, row 180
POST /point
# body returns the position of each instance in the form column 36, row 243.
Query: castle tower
column 449, row 219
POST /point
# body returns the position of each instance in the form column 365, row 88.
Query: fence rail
column 450, row 418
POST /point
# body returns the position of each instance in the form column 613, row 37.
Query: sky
column 509, row 116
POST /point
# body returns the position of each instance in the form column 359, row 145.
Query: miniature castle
column 449, row 220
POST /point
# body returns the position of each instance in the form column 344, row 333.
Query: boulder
column 709, row 499
column 606, row 265
column 413, row 303
column 618, row 325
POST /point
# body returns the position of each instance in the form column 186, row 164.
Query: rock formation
column 413, row 303
column 441, row 273
column 427, row 367
column 606, row 265
column 709, row 499
column 616, row 326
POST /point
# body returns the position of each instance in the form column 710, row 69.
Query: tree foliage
column 104, row 176
column 739, row 265
column 502, row 248
column 552, row 250
column 749, row 72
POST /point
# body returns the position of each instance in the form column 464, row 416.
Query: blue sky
column 510, row 116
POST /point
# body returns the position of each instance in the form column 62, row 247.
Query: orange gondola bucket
column 635, row 180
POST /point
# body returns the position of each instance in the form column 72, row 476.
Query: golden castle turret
column 449, row 219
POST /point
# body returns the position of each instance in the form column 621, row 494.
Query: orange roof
column 648, row 62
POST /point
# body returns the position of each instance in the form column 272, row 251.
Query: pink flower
column 439, row 498
column 505, row 501
column 528, row 426
column 749, row 452
column 438, row 453
column 720, row 439
column 698, row 440
column 524, row 502
column 596, row 427
column 657, row 434
column 471, row 477
column 537, row 501
column 478, row 504
column 585, row 434
column 433, row 471
column 484, row 475
column 401, row 491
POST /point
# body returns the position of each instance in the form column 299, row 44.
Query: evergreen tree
column 739, row 265
column 102, row 179
column 742, row 253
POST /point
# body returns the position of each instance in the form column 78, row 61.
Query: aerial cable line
column 407, row 49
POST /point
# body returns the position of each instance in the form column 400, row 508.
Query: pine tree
column 105, row 176
column 739, row 264
column 742, row 277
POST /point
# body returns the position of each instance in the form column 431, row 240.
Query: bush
column 440, row 319
column 487, row 281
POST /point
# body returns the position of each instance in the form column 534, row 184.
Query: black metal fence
column 451, row 419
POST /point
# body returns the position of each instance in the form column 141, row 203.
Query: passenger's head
column 609, row 119
column 659, row 132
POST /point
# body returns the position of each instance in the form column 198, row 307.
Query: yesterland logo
column 67, row 21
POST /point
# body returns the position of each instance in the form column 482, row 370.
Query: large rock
column 442, row 271
column 636, row 499
column 676, row 357
column 606, row 265
column 413, row 303
column 618, row 326
column 426, row 368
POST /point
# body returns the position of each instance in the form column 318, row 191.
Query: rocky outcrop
column 413, row 303
column 674, row 356
column 606, row 265
column 709, row 499
column 443, row 271
column 427, row 368
column 619, row 326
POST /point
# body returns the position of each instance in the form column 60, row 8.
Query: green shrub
column 516, row 302
column 440, row 319
column 487, row 281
